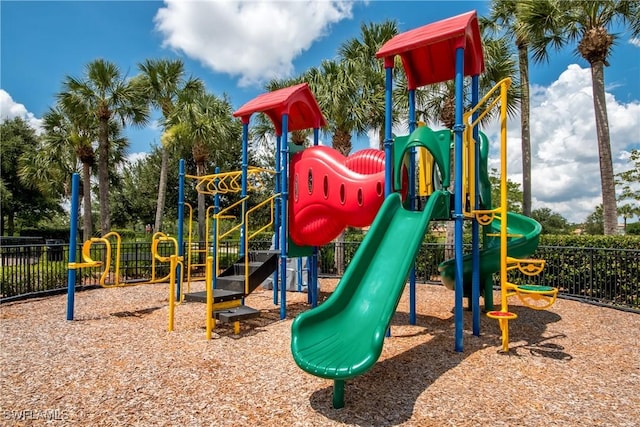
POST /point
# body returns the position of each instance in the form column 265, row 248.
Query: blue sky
column 235, row 47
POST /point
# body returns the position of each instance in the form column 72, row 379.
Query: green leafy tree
column 630, row 196
column 594, row 224
column 633, row 229
column 588, row 24
column 335, row 85
column 163, row 82
column 360, row 56
column 108, row 96
column 67, row 140
column 206, row 126
column 514, row 193
column 630, row 179
column 504, row 20
column 552, row 222
column 627, row 212
column 23, row 203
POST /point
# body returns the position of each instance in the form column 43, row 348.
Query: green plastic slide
column 525, row 232
column 343, row 337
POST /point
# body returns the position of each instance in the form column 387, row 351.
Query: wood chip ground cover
column 116, row 365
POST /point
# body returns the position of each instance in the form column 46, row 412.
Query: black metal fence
column 604, row 276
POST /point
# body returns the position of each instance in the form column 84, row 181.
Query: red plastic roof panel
column 296, row 101
column 428, row 52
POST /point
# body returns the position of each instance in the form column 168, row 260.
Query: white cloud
column 565, row 161
column 134, row 157
column 635, row 41
column 9, row 109
column 256, row 40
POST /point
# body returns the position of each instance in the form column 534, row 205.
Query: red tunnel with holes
column 328, row 192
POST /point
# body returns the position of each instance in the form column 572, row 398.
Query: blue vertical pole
column 412, row 201
column 314, row 277
column 313, row 266
column 299, row 276
column 458, row 217
column 283, row 217
column 475, row 228
column 245, row 165
column 277, row 216
column 388, row 141
column 73, row 237
column 181, row 177
column 214, row 237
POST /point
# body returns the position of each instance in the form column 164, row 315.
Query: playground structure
column 343, row 337
column 319, row 192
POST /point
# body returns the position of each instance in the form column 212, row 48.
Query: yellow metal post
column 208, row 280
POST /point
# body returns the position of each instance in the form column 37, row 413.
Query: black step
column 262, row 265
column 235, row 314
column 219, row 295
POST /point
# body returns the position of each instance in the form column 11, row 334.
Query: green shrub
column 633, row 229
column 583, row 241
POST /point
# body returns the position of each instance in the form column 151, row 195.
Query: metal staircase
column 235, row 283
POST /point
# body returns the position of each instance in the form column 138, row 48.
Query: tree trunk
column 523, row 54
column 381, row 137
column 87, row 217
column 103, row 176
column 11, row 224
column 610, row 215
column 202, row 217
column 162, row 190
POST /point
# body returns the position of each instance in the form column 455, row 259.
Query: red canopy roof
column 296, row 101
column 428, row 53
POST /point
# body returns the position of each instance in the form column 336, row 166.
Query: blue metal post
column 388, row 140
column 412, row 201
column 73, row 236
column 283, row 216
column 458, row 217
column 475, row 227
column 245, row 165
column 181, row 177
column 314, row 277
column 214, row 237
column 299, row 277
column 313, row 261
column 277, row 216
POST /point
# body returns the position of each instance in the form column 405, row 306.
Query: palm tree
column 503, row 20
column 360, row 55
column 63, row 134
column 162, row 81
column 558, row 23
column 336, row 86
column 628, row 211
column 105, row 94
column 206, row 125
